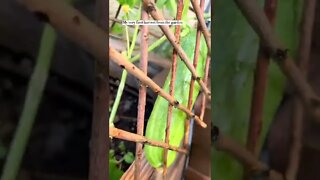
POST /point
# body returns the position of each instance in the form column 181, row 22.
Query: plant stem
column 202, row 23
column 134, row 38
column 124, row 73
column 151, row 48
column 128, row 38
column 33, row 98
column 118, row 97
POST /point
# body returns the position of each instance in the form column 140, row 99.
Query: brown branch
column 131, row 68
column 156, row 14
column 199, row 13
column 98, row 169
column 142, row 92
column 298, row 113
column 204, row 102
column 171, row 89
column 260, row 24
column 121, row 134
column 74, row 25
column 195, row 64
column 259, row 88
column 228, row 145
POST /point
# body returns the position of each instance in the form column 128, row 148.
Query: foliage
column 170, row 5
column 131, row 3
column 235, row 52
column 115, row 171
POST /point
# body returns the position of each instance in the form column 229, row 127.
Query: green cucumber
column 158, row 119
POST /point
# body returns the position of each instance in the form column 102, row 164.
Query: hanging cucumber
column 158, row 119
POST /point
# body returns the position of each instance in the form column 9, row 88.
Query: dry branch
column 195, row 64
column 259, row 22
column 121, row 134
column 203, row 103
column 156, row 14
column 259, row 87
column 171, row 88
column 199, row 13
column 298, row 112
column 228, row 145
column 66, row 19
column 142, row 92
column 131, row 68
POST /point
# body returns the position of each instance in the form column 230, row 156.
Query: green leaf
column 128, row 157
column 170, row 5
column 131, row 3
column 185, row 9
column 117, row 29
column 111, row 153
column 161, row 3
column 114, row 172
column 235, row 46
column 122, row 147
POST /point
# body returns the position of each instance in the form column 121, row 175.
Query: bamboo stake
column 121, row 134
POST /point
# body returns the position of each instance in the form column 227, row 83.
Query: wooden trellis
column 149, row 7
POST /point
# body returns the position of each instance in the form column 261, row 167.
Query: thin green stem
column 124, row 73
column 118, row 98
column 135, row 35
column 128, row 38
column 151, row 48
column 33, row 98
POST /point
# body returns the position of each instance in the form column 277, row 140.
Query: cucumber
column 158, row 119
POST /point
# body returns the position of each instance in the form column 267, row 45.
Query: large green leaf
column 235, row 47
